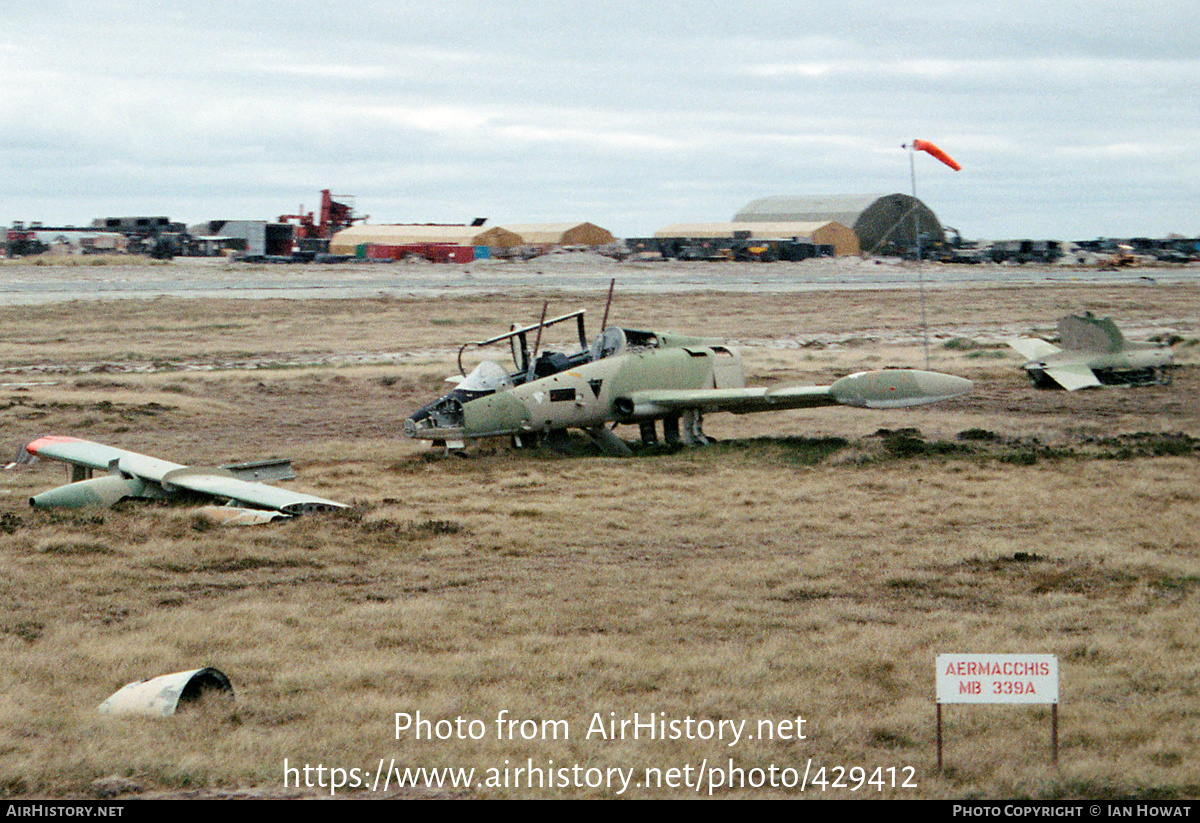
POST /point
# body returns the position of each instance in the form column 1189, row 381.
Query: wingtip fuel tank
column 99, row 491
column 897, row 388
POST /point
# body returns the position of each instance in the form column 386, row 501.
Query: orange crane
column 335, row 216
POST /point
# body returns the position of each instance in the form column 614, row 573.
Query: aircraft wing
column 883, row 389
column 137, row 475
column 220, row 483
column 1073, row 377
column 1034, row 349
column 99, row 457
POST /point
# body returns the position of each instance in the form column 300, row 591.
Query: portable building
column 433, row 252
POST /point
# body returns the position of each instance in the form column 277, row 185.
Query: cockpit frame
column 519, row 337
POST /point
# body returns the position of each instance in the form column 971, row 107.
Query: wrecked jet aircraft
column 1093, row 353
column 130, row 474
column 631, row 376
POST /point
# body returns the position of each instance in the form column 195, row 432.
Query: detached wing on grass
column 129, row 474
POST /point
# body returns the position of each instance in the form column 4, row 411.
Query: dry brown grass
column 760, row 578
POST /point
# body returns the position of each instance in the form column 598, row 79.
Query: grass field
column 810, row 564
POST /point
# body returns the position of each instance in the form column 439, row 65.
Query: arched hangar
column 886, row 224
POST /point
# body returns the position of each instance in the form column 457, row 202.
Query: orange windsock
column 926, row 146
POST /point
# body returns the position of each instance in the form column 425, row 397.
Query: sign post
column 998, row 678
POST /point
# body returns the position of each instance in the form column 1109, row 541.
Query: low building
column 829, row 233
column 251, row 238
column 348, row 241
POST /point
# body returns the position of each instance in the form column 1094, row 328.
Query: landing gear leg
column 693, row 432
column 609, row 443
column 649, row 435
column 528, row 440
column 451, row 446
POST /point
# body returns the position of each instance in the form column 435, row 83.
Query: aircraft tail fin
column 1085, row 332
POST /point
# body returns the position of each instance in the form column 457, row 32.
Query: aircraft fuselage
column 583, row 395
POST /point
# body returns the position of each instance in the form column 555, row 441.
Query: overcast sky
column 1070, row 120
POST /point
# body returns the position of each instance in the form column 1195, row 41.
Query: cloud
column 629, row 116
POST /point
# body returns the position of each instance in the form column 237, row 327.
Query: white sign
column 997, row 678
